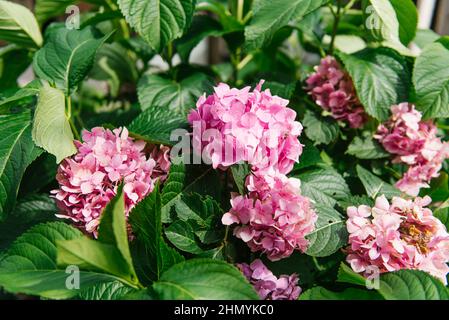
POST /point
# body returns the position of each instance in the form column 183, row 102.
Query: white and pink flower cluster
column 400, row 235
column 414, row 142
column 258, row 128
column 105, row 159
column 267, row 285
column 332, row 89
column 273, row 217
column 234, row 125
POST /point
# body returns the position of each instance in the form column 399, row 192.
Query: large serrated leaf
column 67, row 56
column 158, row 21
column 412, row 285
column 269, row 16
column 381, row 79
column 330, row 233
column 18, row 25
column 375, row 186
column 29, row 265
column 431, row 79
column 320, row 130
column 325, row 186
column 203, row 279
column 157, row 124
column 179, row 96
column 152, row 254
column 114, row 290
column 320, row 293
column 17, row 151
column 51, row 129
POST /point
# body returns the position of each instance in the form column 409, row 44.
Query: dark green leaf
column 182, row 236
column 17, row 151
column 375, row 186
column 156, row 125
column 203, row 279
column 366, row 148
column 320, row 130
column 330, row 233
column 270, row 16
column 67, row 56
column 381, row 79
column 180, row 97
column 158, row 22
column 239, row 172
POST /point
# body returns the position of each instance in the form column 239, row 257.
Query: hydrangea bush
column 309, row 160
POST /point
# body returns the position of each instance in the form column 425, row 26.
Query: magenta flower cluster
column 400, row 235
column 267, row 285
column 332, row 89
column 105, row 159
column 235, row 125
column 414, row 142
column 274, row 217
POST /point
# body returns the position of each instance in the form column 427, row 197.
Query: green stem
column 69, row 118
column 240, row 4
column 337, row 16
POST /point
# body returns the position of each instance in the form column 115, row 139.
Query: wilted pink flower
column 274, row 217
column 235, row 125
column 267, row 285
column 89, row 179
column 400, row 235
column 415, row 143
column 332, row 89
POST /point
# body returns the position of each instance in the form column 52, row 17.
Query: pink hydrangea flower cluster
column 415, row 143
column 400, row 235
column 89, row 179
column 267, row 285
column 332, row 89
column 274, row 217
column 235, row 125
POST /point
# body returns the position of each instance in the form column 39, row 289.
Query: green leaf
column 400, row 285
column 239, row 173
column 14, row 61
column 412, row 285
column 67, row 56
column 204, row 279
column 115, row 64
column 158, row 22
column 320, row 293
column 173, row 186
column 156, row 124
column 375, row 186
column 310, row 156
column 18, row 25
column 425, row 37
column 431, row 80
column 407, row 16
column 381, row 79
column 443, row 216
column 155, row 90
column 320, row 130
column 325, row 186
column 114, row 290
column 386, row 23
column 192, row 178
column 203, row 214
column 153, row 253
column 347, row 275
column 366, row 148
column 110, row 253
column 182, row 236
column 30, row 90
column 203, row 26
column 270, row 16
column 46, row 9
column 29, row 266
column 439, row 188
column 17, row 151
column 51, row 129
column 330, row 233
column 29, row 211
column 355, row 201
